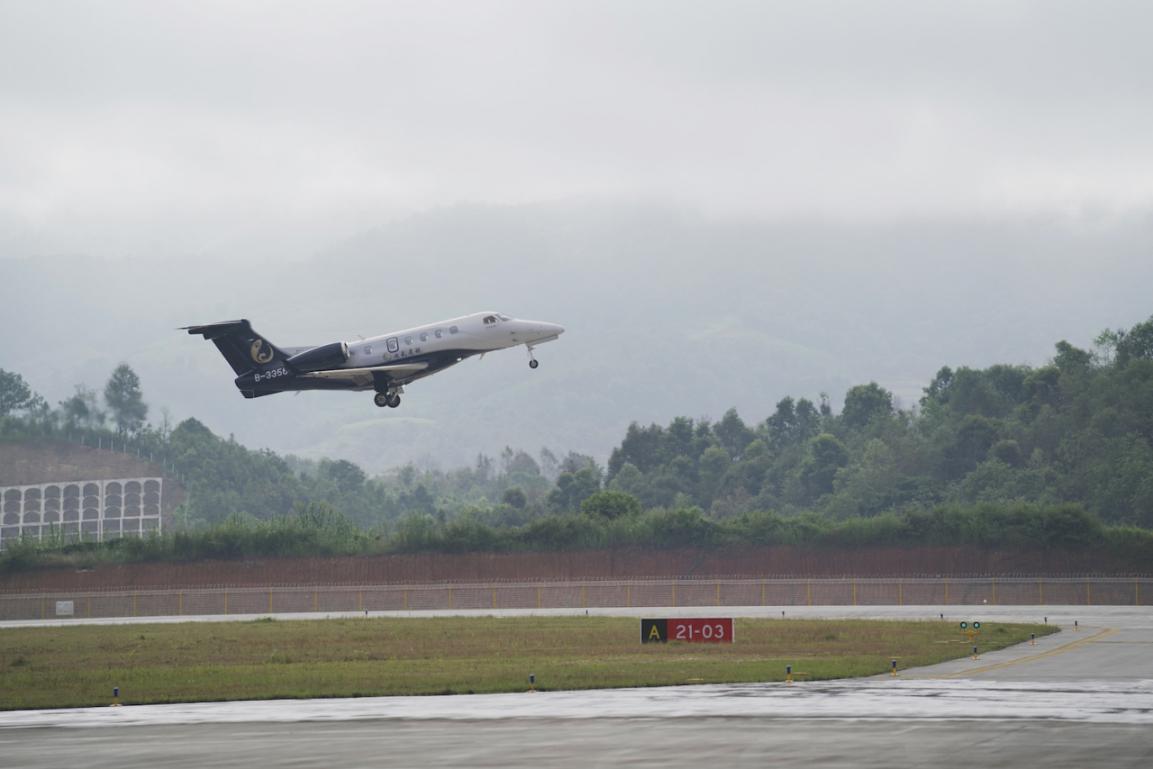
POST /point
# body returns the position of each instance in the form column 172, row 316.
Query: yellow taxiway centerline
column 1072, row 645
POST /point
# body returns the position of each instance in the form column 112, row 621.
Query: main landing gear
column 391, row 398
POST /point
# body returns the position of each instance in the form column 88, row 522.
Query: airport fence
column 579, row 594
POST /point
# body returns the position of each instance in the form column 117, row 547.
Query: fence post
column 1088, row 594
column 538, row 596
column 900, row 593
column 946, row 590
column 994, row 591
column 809, row 592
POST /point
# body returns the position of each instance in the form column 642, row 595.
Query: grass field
column 266, row 659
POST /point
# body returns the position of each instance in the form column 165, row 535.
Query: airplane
column 382, row 363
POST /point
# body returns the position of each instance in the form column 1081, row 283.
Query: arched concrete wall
column 95, row 510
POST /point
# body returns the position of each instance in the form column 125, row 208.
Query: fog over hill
column 667, row 313
column 724, row 203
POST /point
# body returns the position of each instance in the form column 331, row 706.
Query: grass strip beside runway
column 265, row 659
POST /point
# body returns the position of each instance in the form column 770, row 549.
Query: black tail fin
column 242, row 347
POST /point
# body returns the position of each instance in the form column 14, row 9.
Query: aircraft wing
column 366, row 377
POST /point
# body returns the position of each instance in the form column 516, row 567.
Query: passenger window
column 437, row 333
column 453, row 330
column 423, row 337
column 394, row 345
column 408, row 340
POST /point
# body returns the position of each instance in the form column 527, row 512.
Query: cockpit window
column 489, row 320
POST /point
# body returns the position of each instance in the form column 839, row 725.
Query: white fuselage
column 469, row 335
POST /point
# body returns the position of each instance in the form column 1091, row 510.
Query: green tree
column 515, row 497
column 124, row 399
column 864, row 403
column 713, row 466
column 574, row 488
column 631, row 480
column 733, row 434
column 826, row 456
column 82, row 410
column 1136, row 343
column 643, row 447
column 15, row 394
column 869, row 484
column 938, row 389
column 345, row 476
column 970, row 445
column 610, row 505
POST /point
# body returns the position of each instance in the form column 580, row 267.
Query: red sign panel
column 688, row 630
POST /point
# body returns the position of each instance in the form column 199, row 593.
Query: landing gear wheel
column 393, row 401
column 533, row 363
column 380, row 399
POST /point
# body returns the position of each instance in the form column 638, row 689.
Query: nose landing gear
column 532, row 362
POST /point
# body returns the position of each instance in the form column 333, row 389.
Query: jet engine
column 320, row 358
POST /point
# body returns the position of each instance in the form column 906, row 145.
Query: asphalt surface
column 1082, row 697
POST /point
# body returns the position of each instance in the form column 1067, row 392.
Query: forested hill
column 1004, row 455
column 1077, row 430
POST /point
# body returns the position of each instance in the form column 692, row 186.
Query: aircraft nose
column 533, row 331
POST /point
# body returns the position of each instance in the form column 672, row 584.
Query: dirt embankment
column 28, row 463
column 764, row 562
column 25, row 464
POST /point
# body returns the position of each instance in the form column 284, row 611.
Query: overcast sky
column 148, row 127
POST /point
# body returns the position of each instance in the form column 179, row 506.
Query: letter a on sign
column 654, row 630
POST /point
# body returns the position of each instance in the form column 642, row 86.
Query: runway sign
column 689, row 630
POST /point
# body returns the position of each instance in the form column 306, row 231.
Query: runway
column 1078, row 698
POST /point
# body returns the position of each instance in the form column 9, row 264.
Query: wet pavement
column 1082, row 697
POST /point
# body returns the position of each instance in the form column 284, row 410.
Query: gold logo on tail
column 261, row 351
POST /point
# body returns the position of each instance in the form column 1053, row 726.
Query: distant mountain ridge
column 668, row 313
